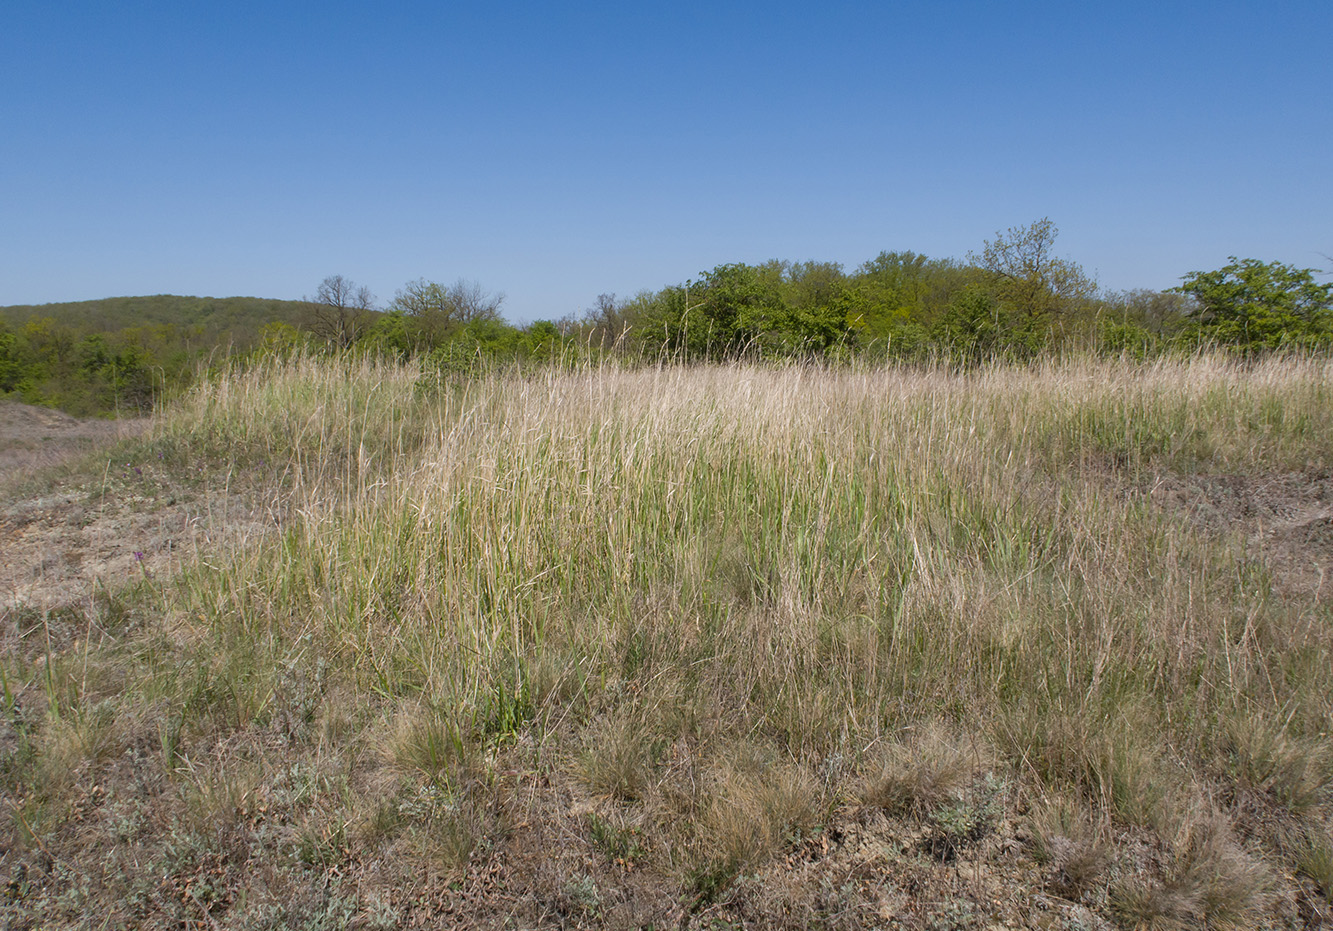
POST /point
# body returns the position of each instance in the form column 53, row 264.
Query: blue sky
column 555, row 151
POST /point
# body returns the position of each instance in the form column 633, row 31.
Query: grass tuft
column 1209, row 880
column 1296, row 773
column 919, row 777
column 619, row 757
column 1314, row 858
column 1065, row 840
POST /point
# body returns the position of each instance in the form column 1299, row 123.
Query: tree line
column 1015, row 300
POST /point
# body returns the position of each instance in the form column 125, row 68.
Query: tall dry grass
column 819, row 557
column 659, row 576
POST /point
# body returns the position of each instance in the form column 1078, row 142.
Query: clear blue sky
column 554, row 151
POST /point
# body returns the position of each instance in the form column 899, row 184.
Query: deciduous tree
column 1028, row 276
column 1262, row 305
column 440, row 310
column 341, row 311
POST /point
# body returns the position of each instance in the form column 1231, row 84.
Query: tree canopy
column 1262, row 305
column 1029, row 276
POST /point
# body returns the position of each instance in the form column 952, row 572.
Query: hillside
column 117, row 355
column 333, row 644
column 238, row 318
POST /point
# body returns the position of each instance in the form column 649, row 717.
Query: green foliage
column 1013, row 302
column 978, row 326
column 280, row 339
column 899, row 296
column 119, row 354
column 204, row 319
column 1040, row 288
column 973, row 328
column 773, row 310
column 1125, row 338
column 1262, row 305
column 393, row 335
column 434, row 313
column 483, row 344
column 1160, row 313
column 11, row 360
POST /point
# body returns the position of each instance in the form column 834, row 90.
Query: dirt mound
column 16, row 417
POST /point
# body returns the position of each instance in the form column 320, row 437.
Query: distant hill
column 117, row 354
column 239, row 318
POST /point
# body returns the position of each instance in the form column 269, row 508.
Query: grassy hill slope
column 713, row 646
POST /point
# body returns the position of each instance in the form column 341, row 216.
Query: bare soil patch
column 107, row 521
column 34, row 438
column 1286, row 519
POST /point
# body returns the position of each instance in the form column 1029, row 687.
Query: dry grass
column 918, row 777
column 619, row 757
column 1315, row 860
column 727, row 601
column 1209, row 882
column 1295, row 772
column 1069, row 842
column 750, row 808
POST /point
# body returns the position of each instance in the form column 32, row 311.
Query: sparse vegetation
column 748, row 645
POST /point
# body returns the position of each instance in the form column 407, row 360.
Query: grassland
column 720, row 646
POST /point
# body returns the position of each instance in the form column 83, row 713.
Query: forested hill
column 117, row 353
column 242, row 317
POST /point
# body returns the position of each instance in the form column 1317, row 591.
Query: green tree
column 280, row 339
column 50, row 340
column 977, row 327
column 438, row 311
column 895, row 300
column 1042, row 289
column 392, row 336
column 1262, row 305
column 730, row 303
column 542, row 339
column 777, row 309
column 809, row 285
column 476, row 345
column 709, row 318
column 11, row 360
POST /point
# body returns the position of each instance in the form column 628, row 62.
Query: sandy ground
column 36, row 438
